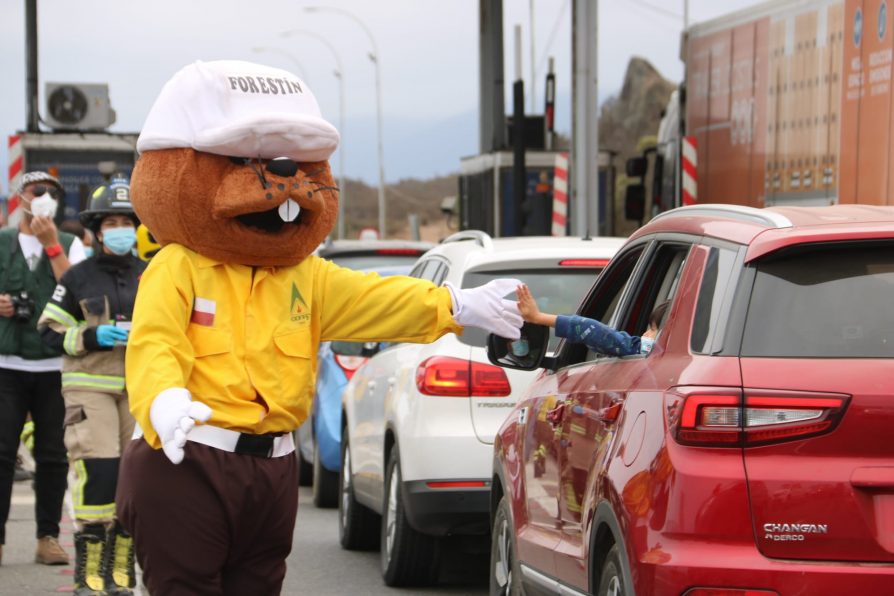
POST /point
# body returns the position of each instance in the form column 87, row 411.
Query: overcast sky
column 428, row 50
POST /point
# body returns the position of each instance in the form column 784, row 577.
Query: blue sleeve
column 597, row 336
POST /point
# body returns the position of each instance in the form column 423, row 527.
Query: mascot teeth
column 289, row 210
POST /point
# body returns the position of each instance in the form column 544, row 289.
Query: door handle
column 554, row 416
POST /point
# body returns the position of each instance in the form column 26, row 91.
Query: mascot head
column 233, row 165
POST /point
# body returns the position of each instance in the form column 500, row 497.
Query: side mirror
column 635, row 202
column 525, row 353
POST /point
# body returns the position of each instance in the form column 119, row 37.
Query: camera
column 23, row 306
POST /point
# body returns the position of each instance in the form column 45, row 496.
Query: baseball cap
column 239, row 109
column 34, row 177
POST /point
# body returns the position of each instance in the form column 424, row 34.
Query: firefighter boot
column 119, row 562
column 88, row 573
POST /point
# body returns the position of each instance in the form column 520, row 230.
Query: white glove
column 173, row 414
column 484, row 307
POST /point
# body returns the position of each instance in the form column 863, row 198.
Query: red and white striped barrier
column 16, row 171
column 690, row 167
column 560, row 195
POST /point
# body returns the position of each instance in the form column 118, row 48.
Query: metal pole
column 375, row 57
column 342, row 182
column 382, row 220
column 492, row 100
column 342, row 103
column 585, row 129
column 533, row 62
column 33, row 120
column 516, row 219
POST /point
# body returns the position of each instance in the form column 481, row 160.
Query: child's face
column 651, row 332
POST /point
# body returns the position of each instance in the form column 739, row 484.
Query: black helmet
column 108, row 199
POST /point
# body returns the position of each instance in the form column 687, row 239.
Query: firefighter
column 89, row 318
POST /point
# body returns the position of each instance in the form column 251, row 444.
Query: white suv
column 420, row 419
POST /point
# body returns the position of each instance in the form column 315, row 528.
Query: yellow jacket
column 244, row 340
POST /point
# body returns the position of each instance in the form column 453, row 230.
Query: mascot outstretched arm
column 233, row 182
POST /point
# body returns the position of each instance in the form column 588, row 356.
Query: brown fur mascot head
column 233, row 165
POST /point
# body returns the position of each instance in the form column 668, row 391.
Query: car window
column 372, row 260
column 417, row 269
column 714, row 295
column 604, row 299
column 431, row 267
column 656, row 283
column 557, row 291
column 439, row 275
column 659, row 281
column 823, row 301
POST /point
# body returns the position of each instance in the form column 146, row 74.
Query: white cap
column 239, row 109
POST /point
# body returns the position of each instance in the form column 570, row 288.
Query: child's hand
column 527, row 306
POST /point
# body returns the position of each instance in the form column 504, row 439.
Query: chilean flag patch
column 203, row 312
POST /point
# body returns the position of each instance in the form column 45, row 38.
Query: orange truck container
column 787, row 102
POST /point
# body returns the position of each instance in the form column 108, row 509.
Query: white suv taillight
column 447, row 376
column 725, row 417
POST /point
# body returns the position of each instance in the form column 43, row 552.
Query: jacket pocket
column 208, row 341
column 73, row 415
column 294, row 343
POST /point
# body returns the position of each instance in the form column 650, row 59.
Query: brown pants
column 218, row 523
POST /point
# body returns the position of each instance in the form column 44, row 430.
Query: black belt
column 256, row 445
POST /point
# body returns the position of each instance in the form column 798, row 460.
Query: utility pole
column 585, row 118
column 33, row 124
column 491, row 106
column 515, row 219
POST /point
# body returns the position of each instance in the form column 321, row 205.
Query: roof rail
column 482, row 239
column 740, row 212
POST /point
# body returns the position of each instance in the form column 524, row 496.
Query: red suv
column 751, row 452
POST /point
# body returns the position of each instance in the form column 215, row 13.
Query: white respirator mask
column 44, row 206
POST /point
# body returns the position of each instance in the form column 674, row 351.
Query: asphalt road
column 316, row 566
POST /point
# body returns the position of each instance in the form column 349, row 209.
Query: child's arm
column 527, row 306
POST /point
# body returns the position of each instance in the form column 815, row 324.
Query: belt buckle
column 254, row 445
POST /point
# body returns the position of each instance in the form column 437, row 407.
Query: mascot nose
column 282, row 166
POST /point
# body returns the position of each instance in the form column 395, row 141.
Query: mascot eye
column 241, row 161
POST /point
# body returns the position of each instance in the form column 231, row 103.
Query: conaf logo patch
column 298, row 307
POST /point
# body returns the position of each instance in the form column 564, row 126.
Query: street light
column 374, row 56
column 340, row 75
column 281, row 52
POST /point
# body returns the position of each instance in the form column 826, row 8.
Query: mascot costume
column 233, row 182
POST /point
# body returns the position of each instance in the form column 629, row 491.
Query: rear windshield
column 831, row 302
column 557, row 291
column 373, row 260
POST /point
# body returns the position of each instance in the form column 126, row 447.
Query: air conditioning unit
column 78, row 106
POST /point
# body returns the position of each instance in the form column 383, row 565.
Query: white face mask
column 44, row 206
column 646, row 344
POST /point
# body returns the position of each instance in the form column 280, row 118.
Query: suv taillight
column 443, row 375
column 725, row 417
column 350, row 364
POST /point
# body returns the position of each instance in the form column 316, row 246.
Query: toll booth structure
column 486, row 199
column 73, row 158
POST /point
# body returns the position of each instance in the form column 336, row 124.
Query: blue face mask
column 88, row 251
column 646, row 344
column 119, row 240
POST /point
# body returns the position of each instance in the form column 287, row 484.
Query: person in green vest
column 33, row 257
